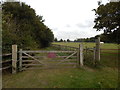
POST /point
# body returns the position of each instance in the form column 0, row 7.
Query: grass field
column 90, row 45
column 104, row 77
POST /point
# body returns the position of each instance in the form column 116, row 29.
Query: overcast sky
column 67, row 18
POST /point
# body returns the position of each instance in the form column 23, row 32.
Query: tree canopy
column 21, row 26
column 108, row 19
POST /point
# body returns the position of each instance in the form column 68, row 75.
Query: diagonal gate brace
column 33, row 58
column 68, row 57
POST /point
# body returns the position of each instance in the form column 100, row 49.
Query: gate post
column 97, row 51
column 94, row 51
column 81, row 54
column 14, row 59
column 97, row 56
column 20, row 60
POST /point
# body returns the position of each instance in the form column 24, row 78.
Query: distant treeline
column 21, row 26
column 107, row 38
column 92, row 39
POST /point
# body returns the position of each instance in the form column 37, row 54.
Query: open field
column 90, row 45
column 104, row 77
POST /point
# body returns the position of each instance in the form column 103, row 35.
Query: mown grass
column 86, row 77
column 90, row 45
column 62, row 78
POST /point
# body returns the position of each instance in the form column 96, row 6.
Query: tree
column 23, row 27
column 55, row 40
column 61, row 40
column 64, row 40
column 108, row 19
column 68, row 40
column 75, row 40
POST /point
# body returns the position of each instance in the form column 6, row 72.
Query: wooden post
column 81, row 54
column 94, row 51
column 86, row 51
column 14, row 59
column 20, row 60
column 78, row 57
column 97, row 53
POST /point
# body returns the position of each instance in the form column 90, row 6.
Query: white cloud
column 67, row 18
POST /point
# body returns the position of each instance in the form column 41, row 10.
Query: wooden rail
column 8, row 54
column 47, row 51
column 5, row 61
column 45, row 56
column 6, row 67
column 49, row 60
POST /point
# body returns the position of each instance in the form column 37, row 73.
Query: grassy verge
column 62, row 78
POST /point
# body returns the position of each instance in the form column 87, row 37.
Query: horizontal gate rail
column 49, row 60
column 29, row 61
column 44, row 56
column 6, row 67
column 63, row 60
column 33, row 56
column 67, row 63
column 5, row 61
column 31, row 65
column 47, row 68
column 47, row 51
column 47, row 65
column 65, row 56
column 8, row 54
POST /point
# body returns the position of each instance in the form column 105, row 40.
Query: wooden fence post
column 20, row 60
column 78, row 57
column 14, row 59
column 86, row 51
column 81, row 54
column 94, row 51
column 97, row 56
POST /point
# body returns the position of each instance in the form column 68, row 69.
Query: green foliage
column 108, row 19
column 92, row 39
column 55, row 40
column 61, row 40
column 68, row 40
column 23, row 27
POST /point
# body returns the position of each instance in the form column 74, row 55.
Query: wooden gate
column 47, row 59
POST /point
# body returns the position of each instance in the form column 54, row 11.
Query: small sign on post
column 14, row 59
